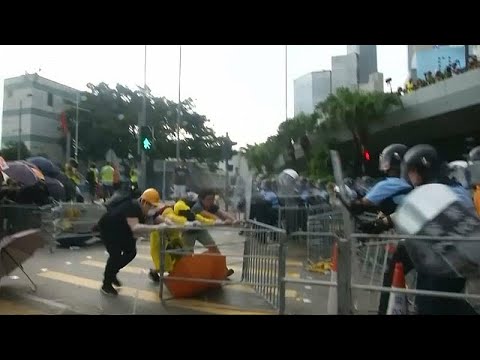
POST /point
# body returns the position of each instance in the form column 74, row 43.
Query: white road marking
column 307, row 301
column 308, row 287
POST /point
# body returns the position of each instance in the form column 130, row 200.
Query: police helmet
column 423, row 158
column 391, row 156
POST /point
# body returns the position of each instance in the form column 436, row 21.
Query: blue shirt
column 388, row 188
column 464, row 196
column 271, row 197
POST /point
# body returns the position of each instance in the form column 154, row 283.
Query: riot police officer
column 387, row 194
column 423, row 166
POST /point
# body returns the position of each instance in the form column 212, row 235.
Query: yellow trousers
column 170, row 259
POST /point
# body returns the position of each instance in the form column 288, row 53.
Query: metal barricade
column 374, row 253
column 295, row 218
column 79, row 218
column 263, row 260
column 15, row 218
column 320, row 231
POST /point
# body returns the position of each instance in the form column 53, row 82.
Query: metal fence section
column 295, row 218
column 375, row 252
column 263, row 260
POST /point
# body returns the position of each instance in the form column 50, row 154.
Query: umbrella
column 16, row 249
column 55, row 189
column 197, row 266
column 46, row 166
column 22, row 173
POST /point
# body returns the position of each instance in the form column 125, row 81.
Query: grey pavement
column 69, row 280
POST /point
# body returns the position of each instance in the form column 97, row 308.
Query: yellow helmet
column 180, row 206
column 151, row 196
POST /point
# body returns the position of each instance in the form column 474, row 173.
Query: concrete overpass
column 448, row 109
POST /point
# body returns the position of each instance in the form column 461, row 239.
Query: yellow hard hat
column 151, row 196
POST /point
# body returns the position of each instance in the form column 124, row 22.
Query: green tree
column 10, row 151
column 110, row 117
column 355, row 111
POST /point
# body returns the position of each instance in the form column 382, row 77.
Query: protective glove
column 375, row 227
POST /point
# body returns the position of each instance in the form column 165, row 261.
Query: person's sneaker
column 109, row 290
column 117, row 283
column 230, row 272
column 153, row 275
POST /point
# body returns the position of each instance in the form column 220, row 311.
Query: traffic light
column 227, row 148
column 366, row 155
column 146, row 138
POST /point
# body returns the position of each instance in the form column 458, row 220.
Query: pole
column 19, row 144
column 164, row 186
column 467, row 56
column 76, row 128
column 68, row 146
column 286, row 82
column 142, row 121
column 226, row 147
column 179, row 105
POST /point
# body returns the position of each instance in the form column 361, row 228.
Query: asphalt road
column 69, row 280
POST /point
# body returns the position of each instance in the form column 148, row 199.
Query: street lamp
column 82, row 98
column 19, row 144
column 179, row 104
column 389, row 83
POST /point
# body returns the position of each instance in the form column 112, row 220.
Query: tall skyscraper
column 367, row 60
column 345, row 71
column 310, row 89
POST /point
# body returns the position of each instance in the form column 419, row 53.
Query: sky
column 240, row 88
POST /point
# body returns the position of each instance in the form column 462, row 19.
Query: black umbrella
column 46, row 166
column 55, row 188
column 22, row 173
column 16, row 249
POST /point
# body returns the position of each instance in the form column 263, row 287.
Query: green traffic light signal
column 146, row 138
column 147, row 145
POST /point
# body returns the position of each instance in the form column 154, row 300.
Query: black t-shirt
column 114, row 222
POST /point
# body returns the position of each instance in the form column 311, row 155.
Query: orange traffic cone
column 332, row 304
column 397, row 303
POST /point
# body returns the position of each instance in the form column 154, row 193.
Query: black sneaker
column 109, row 290
column 230, row 272
column 117, row 283
column 153, row 275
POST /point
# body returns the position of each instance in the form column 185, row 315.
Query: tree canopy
column 108, row 119
column 352, row 110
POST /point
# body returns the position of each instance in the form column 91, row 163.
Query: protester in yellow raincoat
column 179, row 214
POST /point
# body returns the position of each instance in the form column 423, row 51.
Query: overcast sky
column 240, row 88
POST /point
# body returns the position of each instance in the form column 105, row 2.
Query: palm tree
column 355, row 111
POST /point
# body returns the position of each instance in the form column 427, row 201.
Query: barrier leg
column 282, row 263
column 162, row 265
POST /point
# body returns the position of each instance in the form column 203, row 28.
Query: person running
column 117, row 228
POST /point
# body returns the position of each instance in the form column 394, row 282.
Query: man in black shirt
column 117, row 228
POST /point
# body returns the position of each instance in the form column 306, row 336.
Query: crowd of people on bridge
column 430, row 77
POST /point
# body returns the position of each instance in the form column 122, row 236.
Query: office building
column 310, row 89
column 345, row 71
column 367, row 60
column 40, row 102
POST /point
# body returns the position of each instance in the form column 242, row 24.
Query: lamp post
column 83, row 98
column 179, row 105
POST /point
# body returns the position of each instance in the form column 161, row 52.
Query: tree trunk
column 358, row 165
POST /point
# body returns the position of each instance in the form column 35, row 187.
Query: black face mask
column 187, row 214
